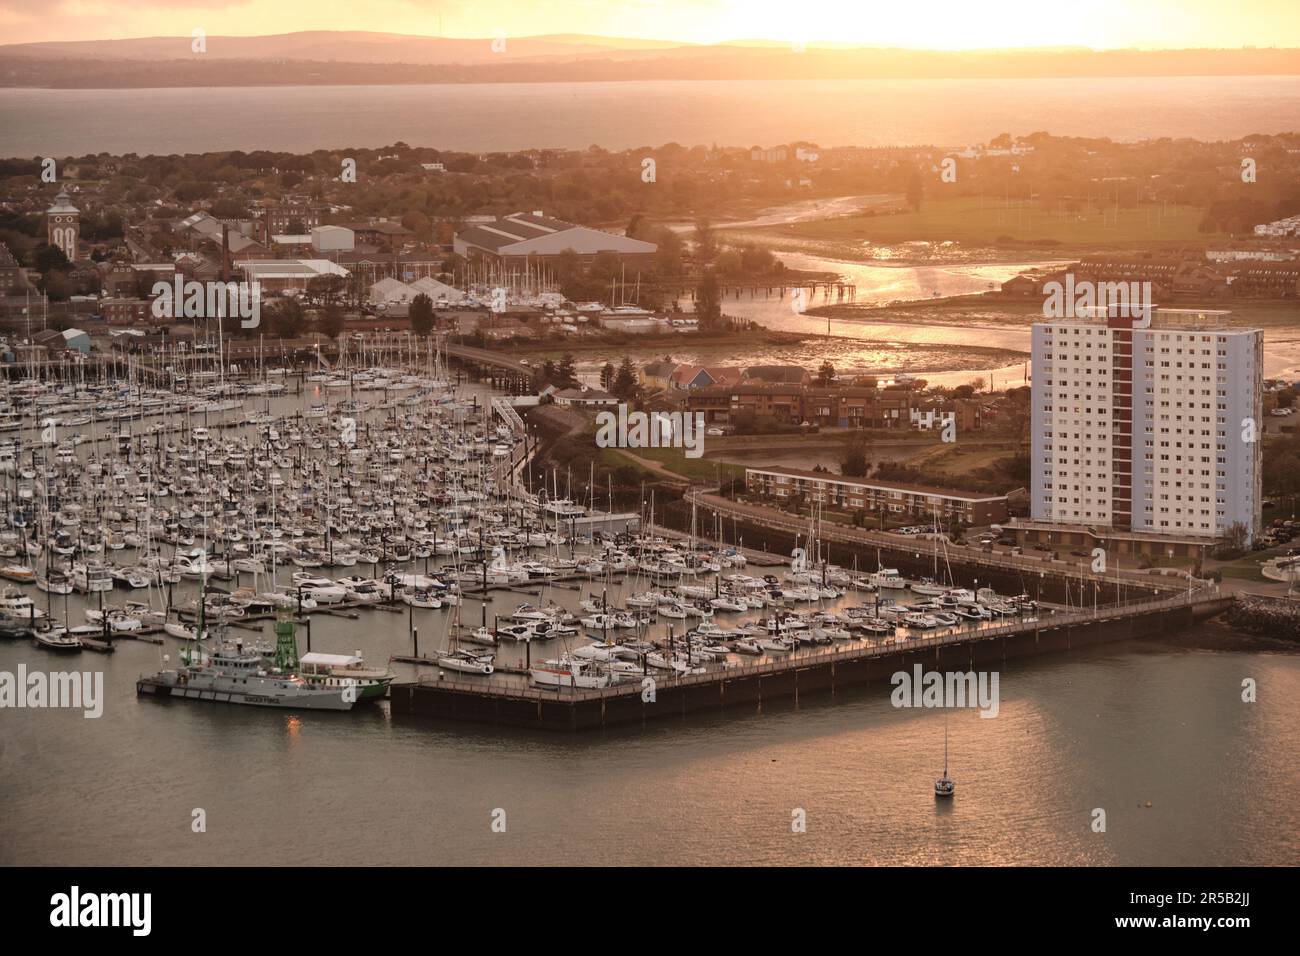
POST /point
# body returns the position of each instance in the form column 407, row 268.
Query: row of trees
column 622, row 382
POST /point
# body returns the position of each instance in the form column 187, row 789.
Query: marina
column 745, row 687
column 392, row 491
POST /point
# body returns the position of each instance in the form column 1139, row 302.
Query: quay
column 745, row 688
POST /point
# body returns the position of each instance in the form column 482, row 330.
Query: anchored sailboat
column 944, row 786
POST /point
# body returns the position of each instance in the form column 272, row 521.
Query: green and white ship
column 345, row 670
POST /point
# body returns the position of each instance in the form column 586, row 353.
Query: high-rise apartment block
column 1149, row 426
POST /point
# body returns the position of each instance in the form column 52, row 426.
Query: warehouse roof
column 523, row 233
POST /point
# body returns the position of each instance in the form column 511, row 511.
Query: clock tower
column 63, row 226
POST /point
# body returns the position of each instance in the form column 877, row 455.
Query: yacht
column 945, row 786
column 567, row 672
column 20, row 607
column 22, row 573
column 889, row 578
column 89, row 578
column 57, row 639
column 467, row 662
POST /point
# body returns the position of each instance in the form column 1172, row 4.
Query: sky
column 921, row 24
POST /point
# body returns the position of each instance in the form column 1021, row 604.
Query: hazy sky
column 921, row 24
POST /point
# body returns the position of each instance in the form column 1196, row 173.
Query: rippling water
column 1111, row 727
column 625, row 115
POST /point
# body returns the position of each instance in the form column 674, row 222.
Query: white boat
column 567, row 672
column 54, row 582
column 663, row 661
column 929, row 587
column 132, row 577
column 22, row 573
column 20, row 607
column 183, row 631
column 320, row 590
column 889, row 578
column 728, row 604
column 90, row 578
column 421, row 598
column 480, row 635
column 467, row 662
column 517, row 632
column 58, row 639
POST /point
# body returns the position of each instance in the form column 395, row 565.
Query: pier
column 744, row 688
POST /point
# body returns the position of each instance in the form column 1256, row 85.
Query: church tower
column 63, row 226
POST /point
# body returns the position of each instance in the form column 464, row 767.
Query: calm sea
column 1111, row 728
column 621, row 115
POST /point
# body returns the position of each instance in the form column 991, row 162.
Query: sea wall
column 1267, row 616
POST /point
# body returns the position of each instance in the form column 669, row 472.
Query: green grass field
column 982, row 222
column 675, row 460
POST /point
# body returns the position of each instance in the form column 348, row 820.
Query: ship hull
column 315, row 700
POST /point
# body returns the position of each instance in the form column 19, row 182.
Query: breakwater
column 745, row 688
column 1267, row 616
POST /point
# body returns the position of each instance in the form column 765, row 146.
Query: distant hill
column 339, row 46
column 349, row 58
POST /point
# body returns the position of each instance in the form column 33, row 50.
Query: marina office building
column 1147, row 439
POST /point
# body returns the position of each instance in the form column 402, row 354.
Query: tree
column 49, row 259
column 607, row 374
column 668, row 257
column 625, row 382
column 284, row 317
column 854, row 463
column 1232, row 543
column 826, row 374
column 330, row 321
column 421, row 315
column 326, row 288
column 566, row 373
column 706, row 243
column 915, row 190
column 708, row 303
